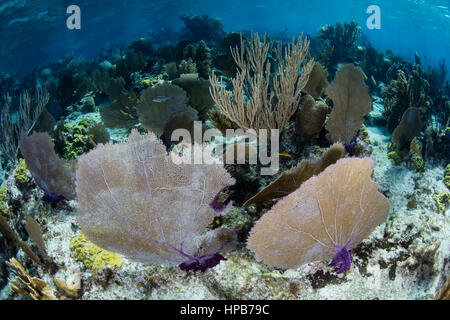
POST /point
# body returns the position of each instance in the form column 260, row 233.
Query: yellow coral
column 21, row 172
column 3, row 192
column 92, row 256
column 4, row 212
column 447, row 176
column 395, row 157
column 441, row 200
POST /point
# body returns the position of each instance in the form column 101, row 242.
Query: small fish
column 285, row 154
column 161, row 99
column 126, row 114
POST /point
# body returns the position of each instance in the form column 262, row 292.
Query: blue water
column 35, row 32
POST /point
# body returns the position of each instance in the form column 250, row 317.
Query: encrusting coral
column 93, row 257
column 325, row 218
column 441, row 200
column 20, row 174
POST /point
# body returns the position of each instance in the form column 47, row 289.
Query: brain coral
column 327, row 216
column 136, row 200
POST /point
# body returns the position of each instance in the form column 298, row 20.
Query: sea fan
column 136, row 200
column 160, row 104
column 351, row 101
column 53, row 175
column 327, row 216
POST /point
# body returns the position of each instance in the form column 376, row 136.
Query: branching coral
column 404, row 93
column 340, row 42
column 28, row 115
column 9, row 233
column 252, row 105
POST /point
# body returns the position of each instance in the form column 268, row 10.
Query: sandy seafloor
column 405, row 258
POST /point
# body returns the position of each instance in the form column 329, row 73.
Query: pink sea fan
column 326, row 217
column 135, row 200
column 53, row 175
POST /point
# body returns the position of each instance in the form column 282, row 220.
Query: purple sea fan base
column 52, row 197
column 218, row 206
column 342, row 260
column 350, row 146
column 202, row 263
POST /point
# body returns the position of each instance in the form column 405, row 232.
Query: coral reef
column 178, row 218
column 72, row 140
column 404, row 93
column 197, row 90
